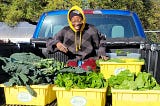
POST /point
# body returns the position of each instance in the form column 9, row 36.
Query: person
column 79, row 40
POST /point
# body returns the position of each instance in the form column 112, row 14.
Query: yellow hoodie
column 82, row 27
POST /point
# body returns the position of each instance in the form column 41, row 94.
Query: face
column 76, row 22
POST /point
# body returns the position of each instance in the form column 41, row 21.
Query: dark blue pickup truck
column 122, row 29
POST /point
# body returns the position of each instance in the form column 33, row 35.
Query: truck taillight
column 92, row 12
column 88, row 11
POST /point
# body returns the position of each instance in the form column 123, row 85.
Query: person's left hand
column 105, row 57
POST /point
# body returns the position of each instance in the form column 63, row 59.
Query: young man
column 79, row 40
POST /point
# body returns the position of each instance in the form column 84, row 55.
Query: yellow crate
column 113, row 68
column 135, row 98
column 19, row 95
column 80, row 97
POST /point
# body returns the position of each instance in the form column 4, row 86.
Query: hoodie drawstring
column 80, row 41
column 76, row 41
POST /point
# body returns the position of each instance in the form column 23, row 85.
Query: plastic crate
column 80, row 97
column 19, row 95
column 135, row 98
column 113, row 68
column 129, row 55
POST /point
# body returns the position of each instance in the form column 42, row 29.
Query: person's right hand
column 61, row 47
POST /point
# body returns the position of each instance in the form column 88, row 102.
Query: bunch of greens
column 127, row 80
column 118, row 60
column 27, row 69
column 75, row 77
column 122, row 52
column 98, row 61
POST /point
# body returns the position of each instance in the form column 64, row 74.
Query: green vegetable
column 127, row 80
column 78, row 78
column 117, row 60
column 98, row 61
column 122, row 52
column 28, row 69
column 49, row 66
column 115, row 80
column 72, row 70
column 31, row 91
column 25, row 57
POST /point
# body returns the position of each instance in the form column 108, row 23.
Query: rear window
column 112, row 26
column 52, row 24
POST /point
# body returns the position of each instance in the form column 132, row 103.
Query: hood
column 84, row 18
column 77, row 45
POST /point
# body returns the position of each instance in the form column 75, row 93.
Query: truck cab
column 111, row 23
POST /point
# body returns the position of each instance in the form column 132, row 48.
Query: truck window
column 112, row 26
column 52, row 24
column 117, row 32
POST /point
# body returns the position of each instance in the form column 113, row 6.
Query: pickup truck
column 123, row 31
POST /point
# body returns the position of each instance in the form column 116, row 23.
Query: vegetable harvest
column 28, row 69
column 127, row 80
column 75, row 77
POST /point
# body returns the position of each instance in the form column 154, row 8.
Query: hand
column 105, row 57
column 61, row 47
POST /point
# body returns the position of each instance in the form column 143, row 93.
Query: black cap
column 75, row 13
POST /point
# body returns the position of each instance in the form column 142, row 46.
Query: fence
column 152, row 53
column 153, row 36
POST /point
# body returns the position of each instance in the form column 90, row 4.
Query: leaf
column 24, row 78
column 11, row 82
column 31, row 91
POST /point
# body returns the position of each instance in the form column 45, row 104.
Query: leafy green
column 78, row 78
column 115, row 80
column 127, row 80
column 73, row 70
column 98, row 61
column 49, row 66
column 25, row 57
column 117, row 60
column 31, row 91
column 121, row 52
column 28, row 69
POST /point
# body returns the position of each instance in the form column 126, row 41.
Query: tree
column 14, row 11
column 147, row 10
